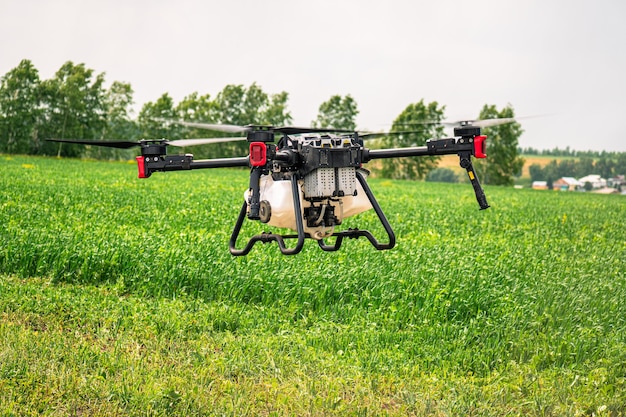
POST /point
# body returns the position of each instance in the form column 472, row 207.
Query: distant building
column 595, row 180
column 616, row 182
column 540, row 185
column 567, row 184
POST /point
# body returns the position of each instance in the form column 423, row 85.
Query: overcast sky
column 562, row 58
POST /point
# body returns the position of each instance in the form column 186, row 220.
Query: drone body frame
column 319, row 172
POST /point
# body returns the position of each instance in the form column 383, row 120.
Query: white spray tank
column 279, row 195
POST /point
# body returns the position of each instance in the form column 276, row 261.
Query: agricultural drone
column 310, row 180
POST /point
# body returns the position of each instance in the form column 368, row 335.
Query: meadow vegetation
column 118, row 296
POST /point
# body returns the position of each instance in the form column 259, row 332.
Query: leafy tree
column 200, row 108
column 337, row 113
column 584, row 167
column 242, row 106
column 550, row 172
column 197, row 108
column 565, row 168
column 254, row 103
column 620, row 163
column 118, row 101
column 238, row 106
column 153, row 119
column 424, row 120
column 503, row 161
column 230, row 106
column 20, row 108
column 74, row 106
column 605, row 167
column 275, row 113
column 234, row 105
column 529, row 151
column 536, row 172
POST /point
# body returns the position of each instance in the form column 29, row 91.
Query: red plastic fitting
column 258, row 154
column 141, row 166
column 479, row 146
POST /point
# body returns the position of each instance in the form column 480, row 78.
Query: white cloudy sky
column 562, row 58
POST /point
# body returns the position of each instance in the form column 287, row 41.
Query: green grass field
column 118, row 296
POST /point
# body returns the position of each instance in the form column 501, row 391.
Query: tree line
column 607, row 165
column 568, row 152
column 76, row 104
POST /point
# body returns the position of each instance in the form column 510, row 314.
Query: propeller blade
column 120, row 144
column 203, row 141
column 493, row 122
column 212, row 126
column 468, row 122
column 375, row 135
column 503, row 120
column 286, row 130
column 426, row 123
column 291, row 130
column 226, row 128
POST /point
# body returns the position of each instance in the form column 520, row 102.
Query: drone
column 309, row 180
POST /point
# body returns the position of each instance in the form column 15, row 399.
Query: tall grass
column 537, row 282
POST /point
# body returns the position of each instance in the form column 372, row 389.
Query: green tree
column 230, row 106
column 153, row 119
column 503, row 161
column 584, row 167
column 255, row 100
column 605, row 166
column 20, row 108
column 551, row 172
column 536, row 172
column 197, row 108
column 118, row 101
column 74, row 107
column 235, row 104
column 422, row 121
column 276, row 113
column 202, row 109
column 239, row 106
column 620, row 162
column 337, row 113
column 242, row 106
column 566, row 168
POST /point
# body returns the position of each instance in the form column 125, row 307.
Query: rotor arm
column 220, row 163
column 370, row 154
column 471, row 143
column 434, row 147
column 147, row 164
